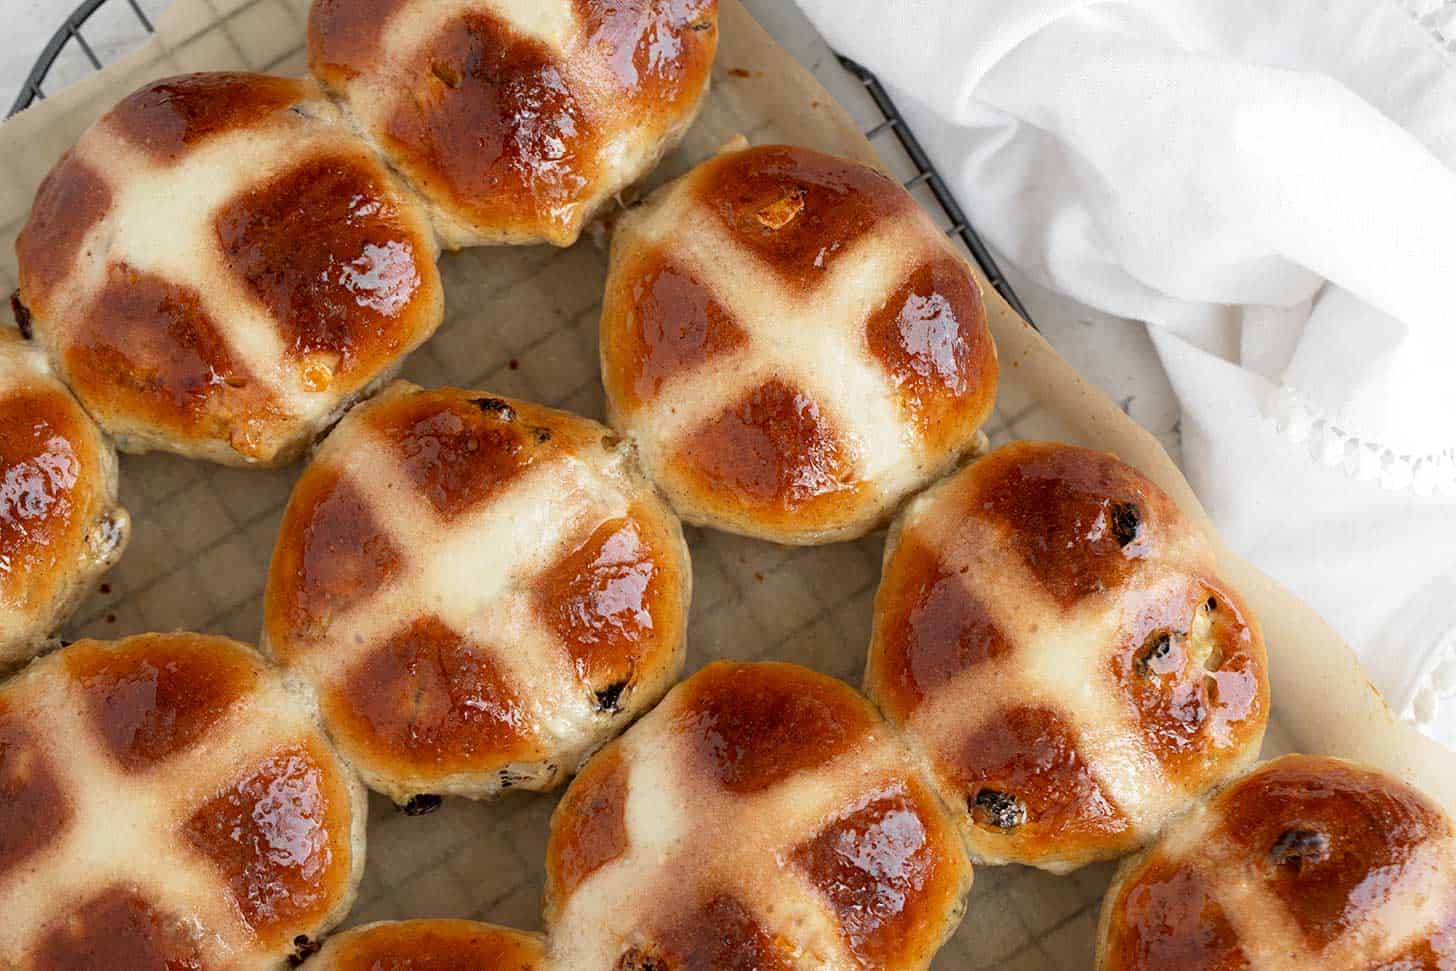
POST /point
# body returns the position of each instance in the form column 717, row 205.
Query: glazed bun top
column 1305, row 862
column 792, row 344
column 219, row 266
column 761, row 816
column 1052, row 633
column 430, row 945
column 60, row 525
column 516, row 120
column 482, row 590
column 167, row 801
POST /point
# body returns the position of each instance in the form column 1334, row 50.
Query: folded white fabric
column 1271, row 186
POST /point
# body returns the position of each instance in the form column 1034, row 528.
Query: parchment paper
column 522, row 322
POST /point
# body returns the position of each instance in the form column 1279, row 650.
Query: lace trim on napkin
column 1435, row 689
column 1301, row 422
column 1435, row 17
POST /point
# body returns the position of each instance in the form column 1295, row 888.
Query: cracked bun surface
column 1052, row 635
column 517, row 119
column 482, row 590
column 219, row 267
column 60, row 524
column 761, row 816
column 430, row 945
column 792, row 344
column 1305, row 862
column 168, row 801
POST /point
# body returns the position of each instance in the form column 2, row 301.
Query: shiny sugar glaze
column 1363, row 829
column 588, row 828
column 606, row 599
column 117, row 928
column 158, row 697
column 1167, row 918
column 772, row 455
column 673, row 326
column 71, row 200
column 503, row 129
column 427, row 700
column 798, row 211
column 882, row 860
column 147, row 349
column 931, row 337
column 1079, row 520
column 930, row 628
column 457, row 452
column 49, row 455
column 331, row 556
column 1031, row 754
column 272, row 836
column 884, row 867
column 494, row 125
column 433, row 945
column 324, row 249
column 754, row 726
column 1306, row 849
column 169, row 118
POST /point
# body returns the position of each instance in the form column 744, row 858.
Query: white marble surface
column 1113, row 354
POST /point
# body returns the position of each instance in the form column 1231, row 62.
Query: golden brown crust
column 792, row 344
column 430, row 945
column 761, row 816
column 168, row 799
column 1306, row 860
column 60, row 526
column 1050, row 632
column 219, row 266
column 482, row 590
column 517, row 131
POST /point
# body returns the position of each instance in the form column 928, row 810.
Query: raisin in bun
column 1306, row 862
column 792, row 344
column 482, row 590
column 1053, row 636
column 762, row 816
column 168, row 801
column 219, row 267
column 60, row 525
column 430, row 945
column 516, row 121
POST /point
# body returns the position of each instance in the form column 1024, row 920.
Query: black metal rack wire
column 894, row 121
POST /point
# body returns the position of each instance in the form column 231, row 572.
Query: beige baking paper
column 523, row 322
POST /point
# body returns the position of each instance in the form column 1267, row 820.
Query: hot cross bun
column 60, row 525
column 792, row 344
column 761, row 816
column 483, row 591
column 430, row 945
column 167, row 801
column 219, row 267
column 1051, row 632
column 1306, row 862
column 517, row 119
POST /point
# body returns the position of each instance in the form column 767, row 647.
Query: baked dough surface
column 60, row 524
column 792, row 344
column 168, row 798
column 1305, row 862
column 482, row 590
column 761, row 816
column 219, row 267
column 517, row 119
column 1053, row 636
column 430, row 945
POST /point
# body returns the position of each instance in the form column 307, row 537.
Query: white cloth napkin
column 1271, row 186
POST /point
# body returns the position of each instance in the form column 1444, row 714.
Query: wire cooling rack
column 926, row 174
